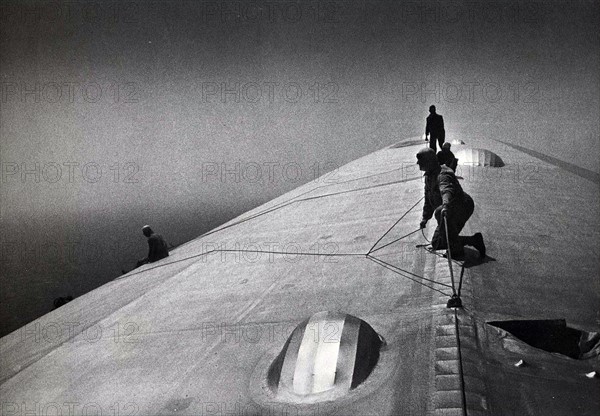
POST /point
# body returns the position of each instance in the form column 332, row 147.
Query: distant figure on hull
column 157, row 247
column 435, row 128
column 446, row 157
column 60, row 301
column 445, row 198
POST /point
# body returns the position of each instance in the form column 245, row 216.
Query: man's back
column 446, row 157
column 157, row 248
column 435, row 125
column 449, row 187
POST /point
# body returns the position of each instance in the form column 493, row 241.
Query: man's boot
column 477, row 242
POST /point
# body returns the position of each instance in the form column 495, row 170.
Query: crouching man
column 445, row 198
column 157, row 247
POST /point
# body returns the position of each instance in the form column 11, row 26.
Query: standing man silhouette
column 435, row 128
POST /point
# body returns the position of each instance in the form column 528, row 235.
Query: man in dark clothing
column 435, row 128
column 445, row 199
column 60, row 301
column 446, row 157
column 157, row 247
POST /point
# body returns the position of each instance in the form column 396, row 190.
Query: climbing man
column 157, row 246
column 435, row 128
column 446, row 157
column 445, row 199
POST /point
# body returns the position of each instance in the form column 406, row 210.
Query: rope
column 460, row 366
column 425, row 237
column 437, row 254
column 407, row 272
column 462, row 272
column 129, row 274
column 282, row 205
column 295, row 199
column 299, row 253
column 384, row 264
column 390, row 229
column 395, row 268
column 396, row 240
column 449, row 255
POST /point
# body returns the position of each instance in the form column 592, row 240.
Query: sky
column 185, row 114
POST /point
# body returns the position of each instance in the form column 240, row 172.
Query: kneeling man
column 445, row 198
